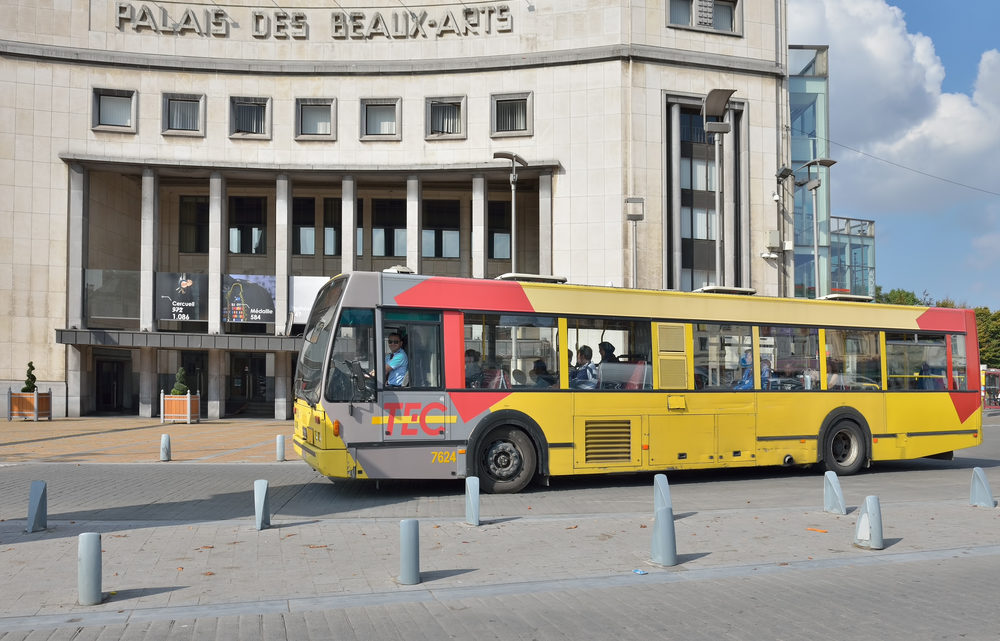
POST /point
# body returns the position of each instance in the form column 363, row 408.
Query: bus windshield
column 350, row 376
column 317, row 339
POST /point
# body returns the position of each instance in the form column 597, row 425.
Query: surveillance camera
column 775, row 197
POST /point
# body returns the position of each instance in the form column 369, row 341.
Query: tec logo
column 408, row 416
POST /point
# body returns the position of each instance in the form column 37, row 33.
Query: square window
column 380, row 118
column 250, row 117
column 724, row 16
column 511, row 115
column 183, row 115
column 445, row 118
column 247, row 225
column 114, row 110
column 316, row 119
column 680, row 12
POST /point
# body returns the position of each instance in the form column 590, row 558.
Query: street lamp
column 515, row 160
column 715, row 105
column 635, row 210
column 813, row 185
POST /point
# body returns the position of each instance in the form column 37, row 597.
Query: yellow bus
column 520, row 381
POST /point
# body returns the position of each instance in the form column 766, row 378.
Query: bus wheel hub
column 503, row 460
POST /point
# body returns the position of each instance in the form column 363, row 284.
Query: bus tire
column 844, row 450
column 506, row 461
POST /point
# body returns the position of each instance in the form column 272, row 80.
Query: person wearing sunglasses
column 397, row 365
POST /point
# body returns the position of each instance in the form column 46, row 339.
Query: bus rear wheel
column 507, row 461
column 844, row 449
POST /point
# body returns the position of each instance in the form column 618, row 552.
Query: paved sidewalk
column 758, row 558
column 130, row 439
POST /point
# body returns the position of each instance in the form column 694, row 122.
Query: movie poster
column 181, row 296
column 248, row 298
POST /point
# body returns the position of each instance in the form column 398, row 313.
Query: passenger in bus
column 765, row 373
column 607, row 351
column 585, row 376
column 541, row 376
column 473, row 369
column 397, row 365
column 746, row 362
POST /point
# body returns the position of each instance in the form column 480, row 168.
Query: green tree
column 180, row 382
column 29, row 381
column 988, row 324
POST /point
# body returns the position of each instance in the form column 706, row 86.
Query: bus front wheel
column 844, row 449
column 507, row 461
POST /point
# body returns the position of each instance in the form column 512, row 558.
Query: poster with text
column 181, row 296
column 304, row 290
column 247, row 298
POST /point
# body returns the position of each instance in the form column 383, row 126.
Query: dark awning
column 172, row 340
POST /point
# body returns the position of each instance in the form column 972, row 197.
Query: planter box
column 178, row 407
column 33, row 405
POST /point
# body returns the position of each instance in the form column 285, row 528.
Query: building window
column 247, row 225
column 303, row 226
column 719, row 15
column 499, row 231
column 315, row 119
column 183, row 115
column 511, row 114
column 440, row 231
column 193, row 225
column 388, row 227
column 250, row 117
column 445, row 117
column 114, row 110
column 380, row 118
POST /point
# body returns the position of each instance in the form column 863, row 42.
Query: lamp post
column 635, row 210
column 515, row 160
column 715, row 105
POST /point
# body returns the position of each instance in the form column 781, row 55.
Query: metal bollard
column 833, row 496
column 868, row 533
column 262, row 508
column 88, row 575
column 279, row 447
column 164, row 447
column 980, row 494
column 664, row 546
column 38, row 512
column 472, row 500
column 409, row 551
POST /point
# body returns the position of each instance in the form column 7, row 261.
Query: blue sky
column 915, row 128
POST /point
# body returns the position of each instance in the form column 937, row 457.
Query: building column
column 545, row 225
column 729, row 209
column 149, row 396
column 149, row 243
column 215, row 383
column 282, row 252
column 413, row 223
column 218, row 245
column 282, row 386
column 465, row 238
column 672, row 208
column 348, row 224
column 77, row 382
column 478, row 226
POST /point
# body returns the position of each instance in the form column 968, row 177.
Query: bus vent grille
column 609, row 441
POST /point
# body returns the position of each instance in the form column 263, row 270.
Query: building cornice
column 585, row 55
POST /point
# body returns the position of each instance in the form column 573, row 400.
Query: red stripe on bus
column 467, row 293
column 942, row 320
column 965, row 404
column 473, row 404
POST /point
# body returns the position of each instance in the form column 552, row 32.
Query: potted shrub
column 180, row 404
column 29, row 402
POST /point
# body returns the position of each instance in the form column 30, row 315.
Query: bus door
column 416, row 414
column 707, row 415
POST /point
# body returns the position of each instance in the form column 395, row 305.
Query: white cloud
column 886, row 101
